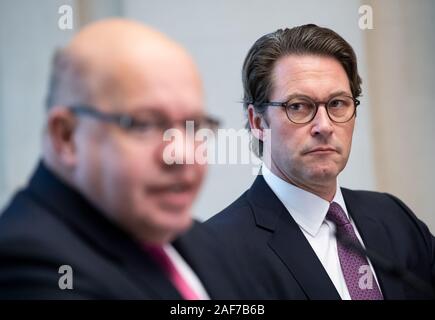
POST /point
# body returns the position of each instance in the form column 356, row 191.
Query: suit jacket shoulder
column 264, row 234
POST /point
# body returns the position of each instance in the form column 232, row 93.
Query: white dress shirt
column 186, row 272
column 309, row 212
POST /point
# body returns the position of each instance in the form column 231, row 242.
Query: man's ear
column 61, row 125
column 256, row 122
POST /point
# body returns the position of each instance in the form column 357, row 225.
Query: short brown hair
column 306, row 39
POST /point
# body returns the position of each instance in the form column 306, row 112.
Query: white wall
column 29, row 34
column 401, row 54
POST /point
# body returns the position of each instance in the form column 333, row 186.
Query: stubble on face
column 310, row 155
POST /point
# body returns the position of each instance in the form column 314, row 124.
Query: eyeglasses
column 148, row 124
column 303, row 109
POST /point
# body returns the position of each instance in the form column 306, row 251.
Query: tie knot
column 337, row 215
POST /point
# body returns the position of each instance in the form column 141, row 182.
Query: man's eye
column 337, row 103
column 142, row 125
column 299, row 106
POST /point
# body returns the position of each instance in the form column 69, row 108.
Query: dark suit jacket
column 48, row 224
column 279, row 256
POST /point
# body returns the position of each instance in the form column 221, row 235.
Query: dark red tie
column 161, row 257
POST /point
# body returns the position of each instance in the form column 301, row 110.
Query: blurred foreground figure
column 104, row 216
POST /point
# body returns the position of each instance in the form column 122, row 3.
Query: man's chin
column 158, row 226
column 185, row 226
column 163, row 233
column 173, row 229
column 177, row 222
column 325, row 174
column 174, row 203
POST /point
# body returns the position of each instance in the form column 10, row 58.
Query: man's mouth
column 322, row 150
column 171, row 187
column 175, row 197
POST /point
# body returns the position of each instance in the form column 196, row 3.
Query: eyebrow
column 331, row 95
column 158, row 112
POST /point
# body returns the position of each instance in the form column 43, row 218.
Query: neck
column 324, row 189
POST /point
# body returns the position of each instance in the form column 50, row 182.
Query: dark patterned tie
column 356, row 270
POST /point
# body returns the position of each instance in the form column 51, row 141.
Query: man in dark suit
column 299, row 233
column 107, row 214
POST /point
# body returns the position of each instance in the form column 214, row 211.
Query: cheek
column 90, row 170
column 134, row 155
column 287, row 142
column 347, row 134
column 127, row 165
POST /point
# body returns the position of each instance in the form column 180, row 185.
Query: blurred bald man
column 105, row 216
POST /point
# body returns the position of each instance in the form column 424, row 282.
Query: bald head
column 115, row 67
column 106, row 60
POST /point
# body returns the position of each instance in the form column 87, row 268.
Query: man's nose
column 322, row 124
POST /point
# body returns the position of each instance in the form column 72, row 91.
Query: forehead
column 313, row 75
column 170, row 86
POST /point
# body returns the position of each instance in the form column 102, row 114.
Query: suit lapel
column 375, row 239
column 289, row 244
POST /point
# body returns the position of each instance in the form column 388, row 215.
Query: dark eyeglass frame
column 128, row 122
column 356, row 103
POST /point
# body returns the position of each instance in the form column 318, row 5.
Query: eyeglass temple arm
column 122, row 120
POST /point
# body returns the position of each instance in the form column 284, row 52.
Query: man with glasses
column 105, row 215
column 301, row 235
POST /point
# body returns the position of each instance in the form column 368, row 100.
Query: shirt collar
column 307, row 209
